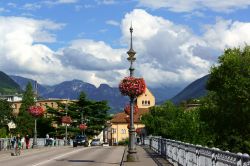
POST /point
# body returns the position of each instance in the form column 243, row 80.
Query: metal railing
column 180, row 153
column 5, row 143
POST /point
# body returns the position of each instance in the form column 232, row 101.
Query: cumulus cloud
column 227, row 33
column 164, row 48
column 167, row 54
column 91, row 55
column 18, row 50
column 192, row 5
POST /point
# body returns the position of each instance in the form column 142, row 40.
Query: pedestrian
column 27, row 141
column 22, row 141
column 47, row 140
column 13, row 142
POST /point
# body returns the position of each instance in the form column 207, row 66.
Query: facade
column 146, row 100
column 43, row 103
column 118, row 126
column 11, row 98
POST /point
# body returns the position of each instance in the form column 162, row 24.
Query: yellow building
column 118, row 124
column 43, row 103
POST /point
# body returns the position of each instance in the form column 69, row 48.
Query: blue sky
column 176, row 41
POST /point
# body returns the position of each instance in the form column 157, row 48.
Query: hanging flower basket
column 127, row 109
column 66, row 119
column 83, row 126
column 132, row 87
column 36, row 111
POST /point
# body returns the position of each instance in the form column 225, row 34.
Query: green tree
column 24, row 121
column 227, row 110
column 94, row 114
column 6, row 116
column 173, row 122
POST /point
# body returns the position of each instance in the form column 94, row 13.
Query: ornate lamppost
column 36, row 112
column 132, row 87
column 66, row 120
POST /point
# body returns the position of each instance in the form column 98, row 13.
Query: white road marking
column 57, row 157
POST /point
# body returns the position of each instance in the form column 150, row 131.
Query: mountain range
column 71, row 90
column 7, row 85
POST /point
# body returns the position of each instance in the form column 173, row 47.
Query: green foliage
column 6, row 114
column 24, row 121
column 173, row 122
column 227, row 108
column 123, row 142
column 7, row 85
column 93, row 113
column 222, row 120
column 44, row 127
column 4, row 132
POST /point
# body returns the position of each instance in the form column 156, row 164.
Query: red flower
column 36, row 111
column 66, row 119
column 83, row 126
column 132, row 87
column 127, row 109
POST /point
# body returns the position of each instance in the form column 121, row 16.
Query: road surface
column 65, row 156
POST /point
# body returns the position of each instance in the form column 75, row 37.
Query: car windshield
column 96, row 140
column 80, row 137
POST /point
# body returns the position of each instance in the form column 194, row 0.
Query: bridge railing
column 5, row 143
column 180, row 153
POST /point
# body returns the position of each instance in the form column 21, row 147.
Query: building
column 43, row 103
column 118, row 130
column 11, row 98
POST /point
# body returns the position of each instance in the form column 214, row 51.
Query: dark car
column 96, row 142
column 80, row 140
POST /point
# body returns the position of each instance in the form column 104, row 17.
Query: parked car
column 80, row 140
column 96, row 142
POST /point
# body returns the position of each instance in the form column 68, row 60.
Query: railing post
column 197, row 152
column 214, row 157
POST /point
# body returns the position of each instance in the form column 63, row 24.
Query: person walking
column 22, row 141
column 27, row 141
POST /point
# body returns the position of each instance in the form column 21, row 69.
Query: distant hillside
column 7, row 85
column 194, row 90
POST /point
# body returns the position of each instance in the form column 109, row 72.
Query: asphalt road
column 65, row 156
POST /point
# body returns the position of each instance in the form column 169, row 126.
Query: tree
column 173, row 122
column 6, row 116
column 94, row 113
column 228, row 104
column 24, row 121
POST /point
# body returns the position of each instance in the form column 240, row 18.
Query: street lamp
column 66, row 127
column 132, row 153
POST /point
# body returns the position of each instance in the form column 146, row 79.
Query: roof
column 120, row 117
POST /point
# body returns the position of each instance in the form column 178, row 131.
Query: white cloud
column 112, row 22
column 167, row 54
column 191, row 5
column 18, row 50
column 31, row 6
column 227, row 33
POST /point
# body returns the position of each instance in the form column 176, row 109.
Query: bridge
column 154, row 151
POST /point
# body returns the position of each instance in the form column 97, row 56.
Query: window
column 52, row 105
column 113, row 130
column 123, row 131
column 149, row 102
column 142, row 102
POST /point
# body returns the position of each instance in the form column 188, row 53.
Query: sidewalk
column 147, row 157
